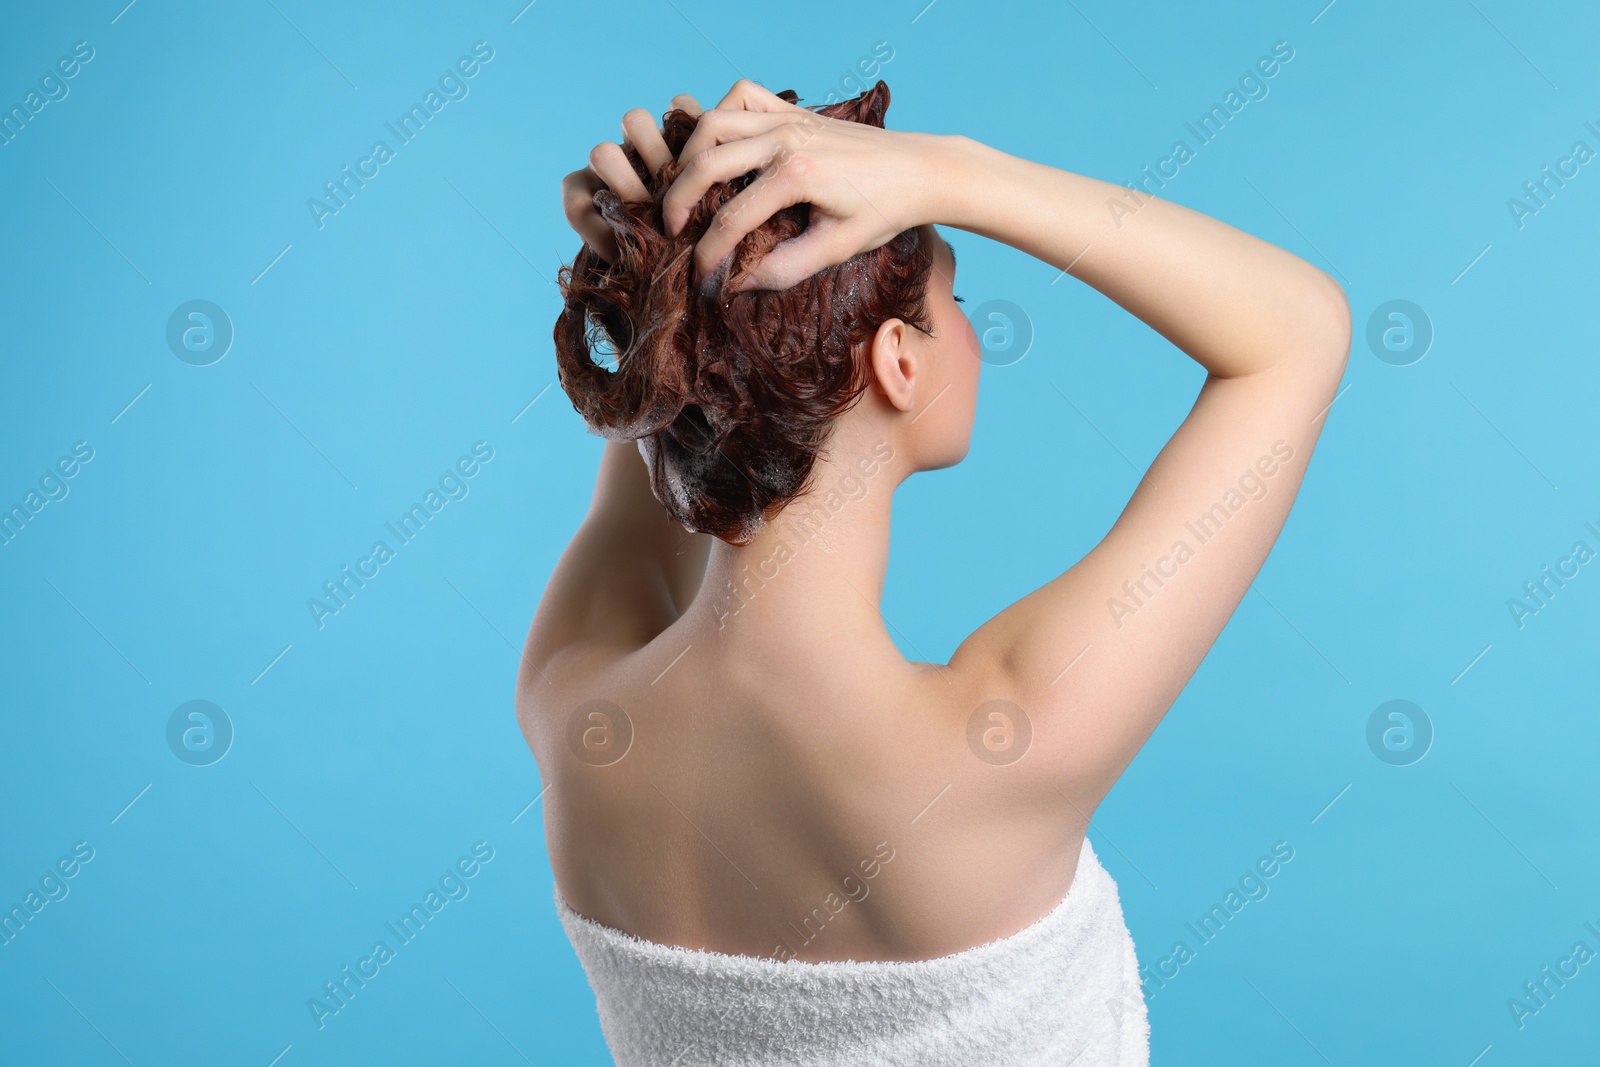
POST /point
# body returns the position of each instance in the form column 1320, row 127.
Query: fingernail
column 713, row 279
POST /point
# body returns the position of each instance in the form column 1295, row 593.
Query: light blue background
column 369, row 357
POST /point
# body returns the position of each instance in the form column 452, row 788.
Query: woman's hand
column 609, row 169
column 864, row 184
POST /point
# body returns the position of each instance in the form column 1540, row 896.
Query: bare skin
column 781, row 745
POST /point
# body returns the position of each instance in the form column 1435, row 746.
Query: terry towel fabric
column 1065, row 990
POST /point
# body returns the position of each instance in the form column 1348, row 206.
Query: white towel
column 1065, row 990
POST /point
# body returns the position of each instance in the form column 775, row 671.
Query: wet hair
column 731, row 396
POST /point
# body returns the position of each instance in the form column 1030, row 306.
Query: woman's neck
column 817, row 568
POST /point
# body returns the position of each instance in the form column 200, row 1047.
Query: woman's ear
column 894, row 363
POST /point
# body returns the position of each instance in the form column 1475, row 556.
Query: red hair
column 731, row 396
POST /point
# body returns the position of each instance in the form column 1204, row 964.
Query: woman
column 774, row 839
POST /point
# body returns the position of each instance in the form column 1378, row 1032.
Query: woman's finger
column 771, row 192
column 639, row 130
column 577, row 192
column 577, row 201
column 687, row 104
column 609, row 162
column 746, row 95
column 767, row 152
column 721, row 126
column 821, row 245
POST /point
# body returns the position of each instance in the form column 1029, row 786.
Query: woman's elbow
column 1329, row 322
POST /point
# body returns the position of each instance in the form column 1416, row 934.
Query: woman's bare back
column 818, row 804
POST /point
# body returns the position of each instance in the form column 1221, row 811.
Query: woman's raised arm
column 1096, row 656
column 627, row 574
column 630, row 570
